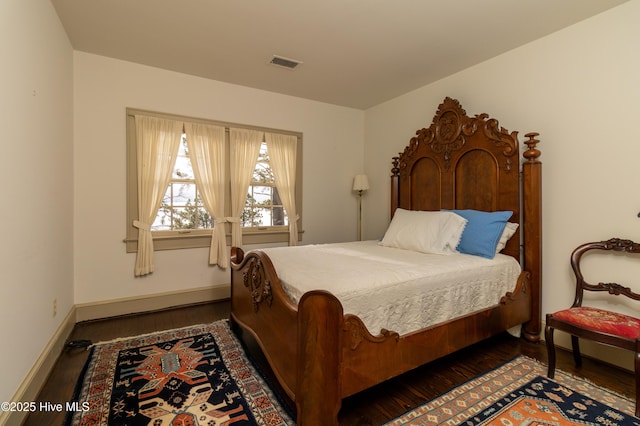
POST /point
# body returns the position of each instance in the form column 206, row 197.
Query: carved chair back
column 613, row 244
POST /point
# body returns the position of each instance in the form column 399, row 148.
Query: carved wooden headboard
column 460, row 162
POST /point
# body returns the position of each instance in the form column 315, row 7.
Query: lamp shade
column 360, row 183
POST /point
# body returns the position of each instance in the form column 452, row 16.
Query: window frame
column 196, row 238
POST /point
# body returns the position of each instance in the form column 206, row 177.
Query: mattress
column 395, row 289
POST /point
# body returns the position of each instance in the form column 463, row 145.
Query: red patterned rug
column 519, row 393
column 190, row 376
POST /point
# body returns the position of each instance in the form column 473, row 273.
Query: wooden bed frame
column 321, row 355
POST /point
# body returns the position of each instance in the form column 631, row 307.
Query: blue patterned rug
column 190, row 376
column 519, row 393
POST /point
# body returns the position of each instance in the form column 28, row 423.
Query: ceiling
column 355, row 53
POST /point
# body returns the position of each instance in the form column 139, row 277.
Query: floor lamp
column 360, row 184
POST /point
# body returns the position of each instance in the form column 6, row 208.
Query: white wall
column 580, row 89
column 36, row 171
column 332, row 148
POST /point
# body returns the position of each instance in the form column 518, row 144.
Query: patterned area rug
column 519, row 393
column 190, row 376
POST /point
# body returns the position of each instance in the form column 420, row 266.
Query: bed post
column 532, row 218
column 318, row 398
column 395, row 186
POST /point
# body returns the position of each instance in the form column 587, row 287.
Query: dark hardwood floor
column 371, row 407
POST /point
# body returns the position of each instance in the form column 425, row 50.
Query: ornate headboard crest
column 450, row 129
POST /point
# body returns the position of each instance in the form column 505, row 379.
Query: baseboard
column 33, row 383
column 154, row 302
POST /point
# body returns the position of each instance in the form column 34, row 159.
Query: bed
column 320, row 352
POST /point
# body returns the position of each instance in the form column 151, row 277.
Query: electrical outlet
column 55, row 307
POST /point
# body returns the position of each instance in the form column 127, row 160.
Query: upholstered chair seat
column 602, row 321
column 594, row 323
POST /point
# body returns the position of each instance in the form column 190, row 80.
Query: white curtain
column 207, row 153
column 245, row 148
column 157, row 143
column 282, row 158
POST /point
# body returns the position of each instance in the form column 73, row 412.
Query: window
column 263, row 207
column 183, row 222
column 182, row 207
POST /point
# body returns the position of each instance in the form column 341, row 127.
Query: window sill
column 199, row 239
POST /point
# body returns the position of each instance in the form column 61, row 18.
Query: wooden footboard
column 260, row 306
column 320, row 356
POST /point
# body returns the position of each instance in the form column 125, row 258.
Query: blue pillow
column 483, row 231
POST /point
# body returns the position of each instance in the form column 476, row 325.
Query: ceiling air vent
column 285, row 62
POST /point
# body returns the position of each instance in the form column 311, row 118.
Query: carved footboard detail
column 516, row 304
column 358, row 332
column 254, row 278
column 522, row 288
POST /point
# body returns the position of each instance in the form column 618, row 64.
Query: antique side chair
column 598, row 325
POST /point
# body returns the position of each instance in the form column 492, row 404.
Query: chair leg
column 637, row 371
column 551, row 351
column 577, row 357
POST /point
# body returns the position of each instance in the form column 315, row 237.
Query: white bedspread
column 395, row 289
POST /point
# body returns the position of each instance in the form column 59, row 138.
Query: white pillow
column 509, row 229
column 424, row 231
